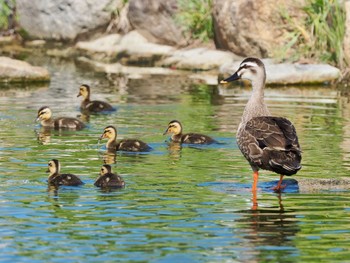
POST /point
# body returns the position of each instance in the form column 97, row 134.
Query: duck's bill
column 166, row 132
column 233, row 77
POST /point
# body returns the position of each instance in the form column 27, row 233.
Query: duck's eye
column 50, row 164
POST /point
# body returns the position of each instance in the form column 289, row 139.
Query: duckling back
column 64, row 179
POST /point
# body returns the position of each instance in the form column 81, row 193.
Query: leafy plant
column 196, row 19
column 6, row 13
column 320, row 35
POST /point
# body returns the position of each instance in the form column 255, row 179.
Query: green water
column 179, row 205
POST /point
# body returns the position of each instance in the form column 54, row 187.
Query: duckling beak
column 37, row 119
column 166, row 131
column 101, row 137
column 47, row 171
column 79, row 94
column 233, row 77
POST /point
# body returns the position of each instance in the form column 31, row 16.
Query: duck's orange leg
column 254, row 190
column 255, row 181
column 279, row 187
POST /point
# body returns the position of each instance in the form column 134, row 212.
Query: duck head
column 174, row 127
column 84, row 90
column 44, row 114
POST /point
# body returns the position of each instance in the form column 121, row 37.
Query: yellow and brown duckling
column 92, row 105
column 128, row 145
column 109, row 179
column 46, row 120
column 175, row 129
column 57, row 179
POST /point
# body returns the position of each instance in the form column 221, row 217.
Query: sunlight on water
column 180, row 204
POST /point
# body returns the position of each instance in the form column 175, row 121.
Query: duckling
column 175, row 128
column 129, row 145
column 46, row 120
column 94, row 105
column 109, row 179
column 57, row 179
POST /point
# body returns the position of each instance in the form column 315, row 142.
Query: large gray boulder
column 154, row 19
column 12, row 70
column 253, row 28
column 63, row 19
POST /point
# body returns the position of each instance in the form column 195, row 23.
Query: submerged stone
column 12, row 70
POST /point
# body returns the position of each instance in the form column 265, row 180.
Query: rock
column 287, row 73
column 133, row 46
column 117, row 68
column 198, row 59
column 253, row 28
column 315, row 185
column 140, row 72
column 63, row 19
column 12, row 70
column 154, row 20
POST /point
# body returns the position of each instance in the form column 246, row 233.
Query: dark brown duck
column 267, row 142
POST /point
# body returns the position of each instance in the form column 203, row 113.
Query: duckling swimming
column 109, row 179
column 92, row 105
column 175, row 128
column 46, row 120
column 57, row 179
column 128, row 145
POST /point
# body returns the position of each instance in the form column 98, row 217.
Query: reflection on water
column 180, row 203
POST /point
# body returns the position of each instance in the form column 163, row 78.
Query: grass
column 319, row 36
column 6, row 10
column 195, row 18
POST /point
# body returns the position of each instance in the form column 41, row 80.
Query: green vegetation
column 196, row 19
column 6, row 14
column 320, row 35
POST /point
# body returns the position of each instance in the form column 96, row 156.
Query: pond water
column 189, row 204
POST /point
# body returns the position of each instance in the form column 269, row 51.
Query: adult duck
column 267, row 142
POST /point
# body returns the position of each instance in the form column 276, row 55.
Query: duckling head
column 110, row 133
column 252, row 69
column 44, row 114
column 53, row 167
column 174, row 127
column 84, row 90
column 105, row 169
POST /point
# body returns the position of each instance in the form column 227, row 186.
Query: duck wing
column 133, row 145
column 98, row 106
column 271, row 143
column 109, row 180
column 195, row 138
column 68, row 123
column 66, row 179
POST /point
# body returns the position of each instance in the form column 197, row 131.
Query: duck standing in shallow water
column 128, row 145
column 46, row 120
column 109, row 179
column 175, row 129
column 267, row 142
column 94, row 106
column 57, row 179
